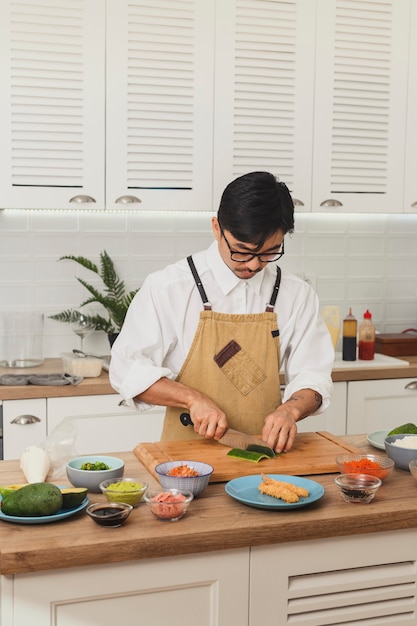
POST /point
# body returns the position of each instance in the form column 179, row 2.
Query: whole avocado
column 405, row 429
column 33, row 500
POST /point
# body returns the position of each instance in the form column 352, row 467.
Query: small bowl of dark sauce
column 109, row 514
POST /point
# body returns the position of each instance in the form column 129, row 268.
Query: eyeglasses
column 241, row 257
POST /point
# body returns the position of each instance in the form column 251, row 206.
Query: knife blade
column 236, row 439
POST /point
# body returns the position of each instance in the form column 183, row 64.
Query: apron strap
column 206, row 303
column 271, row 305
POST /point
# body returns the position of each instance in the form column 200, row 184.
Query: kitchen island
column 223, row 562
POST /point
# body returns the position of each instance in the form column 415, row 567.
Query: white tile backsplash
column 362, row 261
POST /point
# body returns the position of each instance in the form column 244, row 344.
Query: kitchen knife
column 236, row 439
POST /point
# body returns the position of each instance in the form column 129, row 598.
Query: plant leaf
column 114, row 298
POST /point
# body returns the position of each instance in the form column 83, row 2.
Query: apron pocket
column 241, row 370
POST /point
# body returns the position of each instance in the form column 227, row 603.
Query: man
column 208, row 334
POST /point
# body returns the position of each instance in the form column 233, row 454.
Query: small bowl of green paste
column 127, row 490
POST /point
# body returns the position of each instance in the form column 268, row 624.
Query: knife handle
column 186, row 420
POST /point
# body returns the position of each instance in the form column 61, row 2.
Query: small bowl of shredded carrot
column 193, row 476
column 371, row 464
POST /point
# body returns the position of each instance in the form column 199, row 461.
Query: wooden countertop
column 88, row 387
column 101, row 385
column 214, row 522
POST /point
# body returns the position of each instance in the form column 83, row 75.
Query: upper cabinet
column 264, row 92
column 317, row 91
column 106, row 104
column 410, row 193
column 158, row 105
column 51, row 103
column 360, row 104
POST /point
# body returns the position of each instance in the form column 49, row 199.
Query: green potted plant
column 114, row 298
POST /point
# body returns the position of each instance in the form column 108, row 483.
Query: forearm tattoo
column 300, row 396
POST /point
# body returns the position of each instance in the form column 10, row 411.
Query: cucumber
column 247, row 455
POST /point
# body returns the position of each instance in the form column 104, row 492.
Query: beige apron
column 234, row 360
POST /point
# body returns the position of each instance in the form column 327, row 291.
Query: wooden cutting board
column 312, row 453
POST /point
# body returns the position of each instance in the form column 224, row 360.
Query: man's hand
column 209, row 421
column 280, row 427
column 279, row 430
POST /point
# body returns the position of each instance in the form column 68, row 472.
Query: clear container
column 21, row 339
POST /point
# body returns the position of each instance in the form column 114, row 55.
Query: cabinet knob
column 412, row 385
column 81, row 199
column 128, row 200
column 22, row 420
column 414, row 205
column 297, row 202
column 331, row 202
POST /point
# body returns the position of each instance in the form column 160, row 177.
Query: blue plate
column 245, row 490
column 45, row 519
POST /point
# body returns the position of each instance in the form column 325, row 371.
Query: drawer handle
column 331, row 202
column 22, row 420
column 412, row 385
column 82, row 199
column 128, row 200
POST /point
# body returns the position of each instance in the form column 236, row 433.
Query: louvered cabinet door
column 410, row 195
column 363, row 580
column 159, row 103
column 264, row 92
column 51, row 103
column 360, row 105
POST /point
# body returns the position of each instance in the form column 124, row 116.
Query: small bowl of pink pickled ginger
column 168, row 505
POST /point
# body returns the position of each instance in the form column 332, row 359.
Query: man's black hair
column 255, row 206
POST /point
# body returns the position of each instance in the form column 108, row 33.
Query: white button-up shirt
column 162, row 320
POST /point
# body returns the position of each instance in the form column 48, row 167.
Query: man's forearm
column 303, row 403
column 166, row 392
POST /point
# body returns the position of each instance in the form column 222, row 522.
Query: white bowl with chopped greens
column 91, row 470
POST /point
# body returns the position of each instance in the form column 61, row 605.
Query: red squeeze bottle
column 366, row 338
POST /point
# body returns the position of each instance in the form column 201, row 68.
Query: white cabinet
column 380, row 404
column 24, row 424
column 316, row 92
column 105, row 102
column 211, row 589
column 164, row 103
column 333, row 419
column 100, row 424
column 264, row 92
column 51, row 103
column 94, row 424
column 365, row 579
column 410, row 200
column 362, row 73
column 159, row 103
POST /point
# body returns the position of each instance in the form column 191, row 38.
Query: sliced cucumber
column 247, row 455
column 254, row 447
